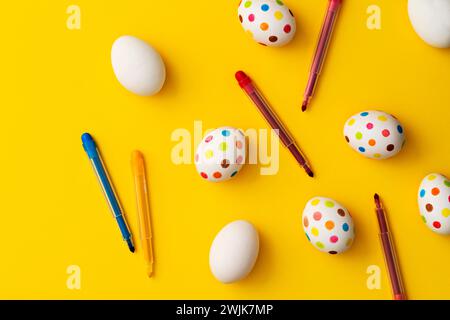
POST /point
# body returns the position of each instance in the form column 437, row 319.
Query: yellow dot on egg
column 382, row 118
column 315, row 232
column 377, row 155
column 431, row 177
column 315, row 202
column 446, row 212
column 351, row 122
column 278, row 15
column 349, row 242
column 223, row 146
column 209, row 154
column 320, row 245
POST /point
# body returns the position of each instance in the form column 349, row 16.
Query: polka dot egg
column 268, row 22
column 434, row 203
column 221, row 154
column 374, row 134
column 328, row 225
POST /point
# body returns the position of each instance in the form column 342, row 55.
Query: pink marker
column 321, row 49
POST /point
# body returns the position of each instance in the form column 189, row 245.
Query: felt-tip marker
column 246, row 84
column 108, row 190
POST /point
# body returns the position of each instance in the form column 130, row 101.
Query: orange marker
column 143, row 207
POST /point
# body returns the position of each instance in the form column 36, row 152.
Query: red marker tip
column 242, row 78
column 240, row 75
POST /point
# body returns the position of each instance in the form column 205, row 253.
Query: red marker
column 246, row 84
column 321, row 50
column 389, row 252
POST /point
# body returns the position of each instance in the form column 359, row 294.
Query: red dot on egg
column 386, row 133
column 437, row 224
column 204, row 175
column 287, row 28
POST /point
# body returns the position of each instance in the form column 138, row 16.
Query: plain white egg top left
column 137, row 66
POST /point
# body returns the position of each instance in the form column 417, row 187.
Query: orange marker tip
column 150, row 271
column 137, row 161
column 136, row 154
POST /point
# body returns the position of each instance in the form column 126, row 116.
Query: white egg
column 137, row 66
column 328, row 225
column 431, row 21
column 221, row 154
column 269, row 22
column 374, row 134
column 234, row 251
column 434, row 202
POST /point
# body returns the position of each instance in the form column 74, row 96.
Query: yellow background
column 58, row 83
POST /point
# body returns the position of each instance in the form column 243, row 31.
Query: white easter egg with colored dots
column 221, row 154
column 374, row 134
column 434, row 202
column 268, row 22
column 328, row 225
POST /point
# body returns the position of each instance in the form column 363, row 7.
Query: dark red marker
column 246, row 84
column 389, row 252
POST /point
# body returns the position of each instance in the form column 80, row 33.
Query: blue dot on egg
column 307, row 237
column 225, row 133
column 234, row 173
column 345, row 227
column 422, row 193
column 364, row 114
column 265, row 7
column 362, row 149
column 400, row 129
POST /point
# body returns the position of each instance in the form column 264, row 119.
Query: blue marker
column 108, row 190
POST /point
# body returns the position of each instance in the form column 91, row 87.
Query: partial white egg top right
column 431, row 21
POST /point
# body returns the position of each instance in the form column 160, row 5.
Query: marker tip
column 304, row 105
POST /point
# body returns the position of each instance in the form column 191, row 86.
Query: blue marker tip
column 130, row 245
column 89, row 145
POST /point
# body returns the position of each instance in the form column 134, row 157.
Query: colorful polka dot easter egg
column 374, row 134
column 434, row 202
column 221, row 154
column 328, row 225
column 269, row 22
